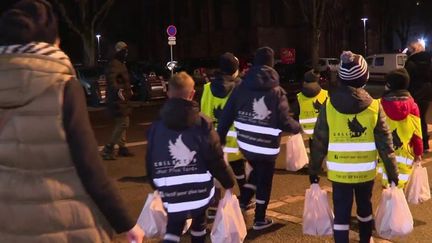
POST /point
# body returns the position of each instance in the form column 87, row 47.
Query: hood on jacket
column 261, row 78
column 223, row 84
column 310, row 89
column 398, row 104
column 350, row 100
column 24, row 77
column 179, row 114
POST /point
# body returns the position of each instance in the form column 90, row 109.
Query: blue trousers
column 260, row 182
column 176, row 224
column 343, row 194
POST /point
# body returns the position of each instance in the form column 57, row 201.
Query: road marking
column 133, row 144
column 353, row 235
column 144, row 123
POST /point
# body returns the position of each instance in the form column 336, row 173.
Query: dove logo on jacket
column 179, row 172
column 260, row 109
column 181, row 153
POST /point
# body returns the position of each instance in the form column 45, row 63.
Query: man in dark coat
column 118, row 95
column 418, row 66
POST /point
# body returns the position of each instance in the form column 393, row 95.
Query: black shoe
column 248, row 206
column 108, row 152
column 260, row 225
column 124, row 152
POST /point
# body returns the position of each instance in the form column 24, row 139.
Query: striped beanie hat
column 353, row 70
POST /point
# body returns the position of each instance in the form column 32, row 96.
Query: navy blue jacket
column 183, row 155
column 259, row 109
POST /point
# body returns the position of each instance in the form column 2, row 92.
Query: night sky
column 142, row 23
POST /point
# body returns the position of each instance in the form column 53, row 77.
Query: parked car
column 325, row 64
column 328, row 64
column 94, row 84
column 148, row 81
column 381, row 64
column 290, row 79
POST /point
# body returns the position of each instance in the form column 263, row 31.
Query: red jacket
column 397, row 106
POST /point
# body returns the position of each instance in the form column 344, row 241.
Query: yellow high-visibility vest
column 352, row 154
column 309, row 110
column 212, row 107
column 402, row 132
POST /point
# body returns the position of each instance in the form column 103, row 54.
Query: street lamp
column 98, row 36
column 364, row 35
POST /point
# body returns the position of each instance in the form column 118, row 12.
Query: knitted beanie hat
column 27, row 21
column 353, row 70
column 121, row 45
column 398, row 79
column 311, row 76
column 264, row 56
column 228, row 63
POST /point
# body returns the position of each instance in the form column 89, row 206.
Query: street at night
column 288, row 193
column 215, row 121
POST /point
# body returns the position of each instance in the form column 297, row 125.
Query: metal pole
column 99, row 53
column 364, row 36
column 171, row 50
column 98, row 36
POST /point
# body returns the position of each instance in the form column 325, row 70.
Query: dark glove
column 314, row 179
column 394, row 180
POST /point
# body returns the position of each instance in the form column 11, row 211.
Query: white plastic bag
column 393, row 217
column 296, row 155
column 417, row 189
column 153, row 218
column 317, row 214
column 229, row 225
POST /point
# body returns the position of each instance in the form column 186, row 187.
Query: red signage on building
column 287, row 55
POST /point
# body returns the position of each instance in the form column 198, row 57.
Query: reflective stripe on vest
column 351, row 167
column 258, row 149
column 212, row 106
column 309, row 108
column 352, row 152
column 402, row 132
column 182, row 179
column 308, row 131
column 232, row 134
column 189, row 205
column 230, row 150
column 404, row 160
column 344, row 147
column 257, row 129
column 402, row 177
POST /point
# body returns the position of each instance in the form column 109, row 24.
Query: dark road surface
column 287, row 202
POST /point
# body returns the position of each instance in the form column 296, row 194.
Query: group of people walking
column 56, row 189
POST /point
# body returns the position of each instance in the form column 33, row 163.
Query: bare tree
column 397, row 18
column 83, row 17
column 402, row 19
column 313, row 15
